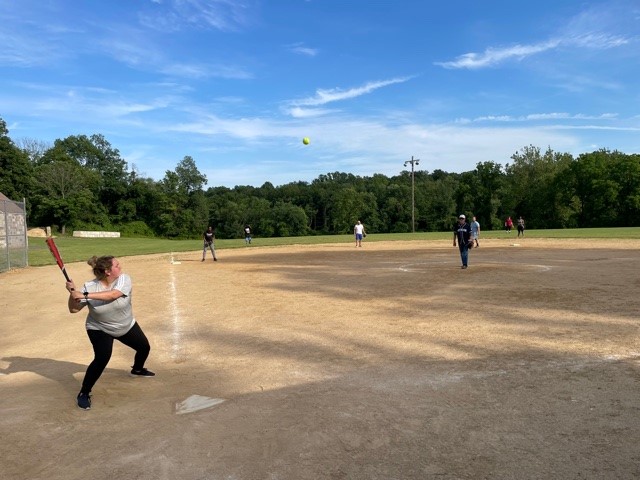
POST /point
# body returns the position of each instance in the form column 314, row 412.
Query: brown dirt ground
column 384, row 362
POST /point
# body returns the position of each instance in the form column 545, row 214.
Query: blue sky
column 237, row 84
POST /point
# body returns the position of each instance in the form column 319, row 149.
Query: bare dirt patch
column 331, row 362
column 36, row 232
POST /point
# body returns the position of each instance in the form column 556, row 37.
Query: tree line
column 82, row 183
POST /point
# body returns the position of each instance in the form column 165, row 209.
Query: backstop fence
column 13, row 235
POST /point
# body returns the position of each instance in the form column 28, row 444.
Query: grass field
column 74, row 249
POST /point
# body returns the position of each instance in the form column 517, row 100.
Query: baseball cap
column 462, row 216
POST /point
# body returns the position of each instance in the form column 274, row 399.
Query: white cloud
column 323, row 96
column 297, row 112
column 588, row 29
column 193, row 70
column 299, row 48
column 596, row 40
column 538, row 117
column 493, row 56
column 132, row 51
column 27, row 51
column 242, row 128
column 132, row 48
column 175, row 15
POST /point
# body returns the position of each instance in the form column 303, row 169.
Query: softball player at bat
column 110, row 318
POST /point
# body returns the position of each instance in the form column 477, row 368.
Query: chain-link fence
column 13, row 235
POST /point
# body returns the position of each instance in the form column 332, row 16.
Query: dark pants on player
column 464, row 253
column 103, row 346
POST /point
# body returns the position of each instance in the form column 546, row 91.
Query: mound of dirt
column 36, row 232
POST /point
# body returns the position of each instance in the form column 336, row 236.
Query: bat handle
column 64, row 270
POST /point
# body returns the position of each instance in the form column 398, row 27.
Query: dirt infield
column 331, row 362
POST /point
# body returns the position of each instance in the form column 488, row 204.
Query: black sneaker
column 203, row 259
column 143, row 372
column 215, row 259
column 84, row 401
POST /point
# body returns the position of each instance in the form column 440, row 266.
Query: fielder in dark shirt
column 461, row 236
column 209, row 238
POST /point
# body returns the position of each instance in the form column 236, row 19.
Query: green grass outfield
column 74, row 249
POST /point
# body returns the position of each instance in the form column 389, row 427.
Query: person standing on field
column 475, row 231
column 247, row 234
column 461, row 236
column 359, row 232
column 521, row 226
column 209, row 240
column 508, row 225
column 110, row 318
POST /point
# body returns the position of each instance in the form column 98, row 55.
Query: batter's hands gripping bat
column 54, row 251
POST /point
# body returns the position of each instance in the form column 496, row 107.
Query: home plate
column 195, row 403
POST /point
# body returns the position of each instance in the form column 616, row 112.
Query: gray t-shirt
column 114, row 317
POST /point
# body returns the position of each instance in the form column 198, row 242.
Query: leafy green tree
column 321, row 194
column 183, row 208
column 465, row 193
column 16, row 172
column 258, row 213
column 597, row 192
column 395, row 208
column 625, row 171
column 112, row 169
column 65, row 198
column 95, row 155
column 190, row 180
column 489, row 188
column 289, row 220
column 195, row 218
column 441, row 211
column 532, row 181
column 350, row 206
column 141, row 203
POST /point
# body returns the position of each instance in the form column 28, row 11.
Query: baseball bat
column 56, row 254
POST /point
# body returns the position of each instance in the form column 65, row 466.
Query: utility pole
column 413, row 161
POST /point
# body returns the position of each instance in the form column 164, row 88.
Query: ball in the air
column 306, row 140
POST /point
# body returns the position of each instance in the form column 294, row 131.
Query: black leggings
column 103, row 346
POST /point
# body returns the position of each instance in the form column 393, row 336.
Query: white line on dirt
column 176, row 334
column 412, row 267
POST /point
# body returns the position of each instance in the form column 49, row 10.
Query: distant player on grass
column 508, row 225
column 521, row 226
column 461, row 236
column 475, row 231
column 209, row 239
column 247, row 234
column 110, row 318
column 358, row 231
